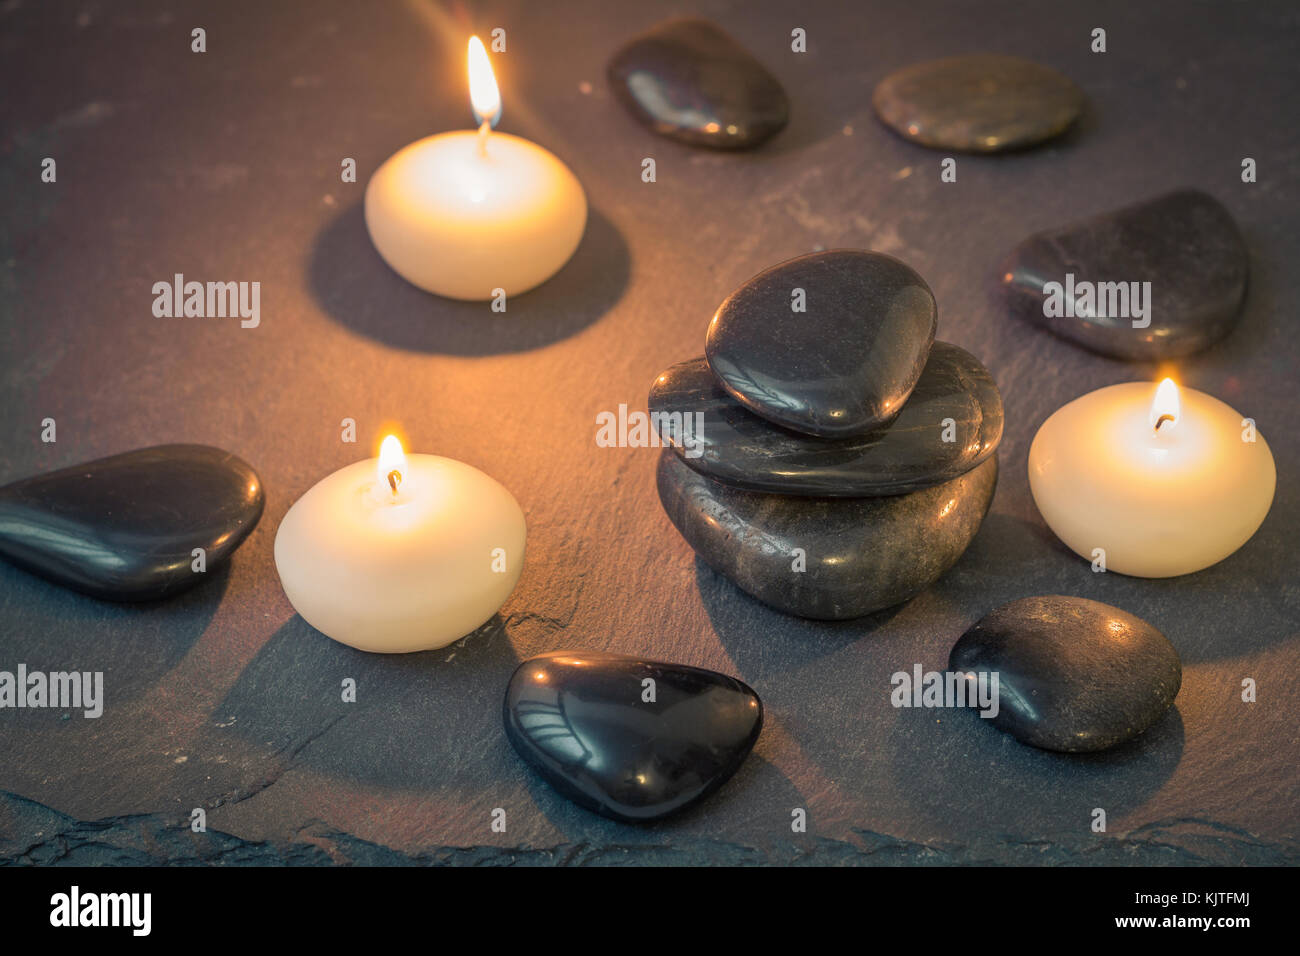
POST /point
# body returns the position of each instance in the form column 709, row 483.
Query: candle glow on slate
column 401, row 552
column 1165, row 481
column 476, row 213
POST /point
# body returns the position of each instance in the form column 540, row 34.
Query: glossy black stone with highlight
column 632, row 739
column 861, row 554
column 1074, row 675
column 735, row 446
column 1185, row 243
column 843, row 367
column 124, row 528
column 690, row 81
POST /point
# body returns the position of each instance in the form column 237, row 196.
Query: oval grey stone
column 1074, row 675
column 980, row 103
column 861, row 554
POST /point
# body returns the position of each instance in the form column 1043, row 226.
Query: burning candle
column 468, row 213
column 1153, row 480
column 401, row 552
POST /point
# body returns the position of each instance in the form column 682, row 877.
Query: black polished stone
column 691, row 82
column 735, row 446
column 1184, row 243
column 981, row 103
column 1074, row 675
column 124, row 528
column 860, row 554
column 632, row 739
column 843, row 367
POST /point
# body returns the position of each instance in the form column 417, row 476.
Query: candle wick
column 394, row 479
column 1166, row 417
column 484, row 128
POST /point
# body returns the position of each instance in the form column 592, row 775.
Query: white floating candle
column 1164, row 481
column 463, row 214
column 401, row 553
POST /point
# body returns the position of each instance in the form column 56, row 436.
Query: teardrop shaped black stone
column 124, row 528
column 600, row 734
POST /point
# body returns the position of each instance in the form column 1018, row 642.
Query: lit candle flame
column 483, row 93
column 392, row 462
column 1165, row 406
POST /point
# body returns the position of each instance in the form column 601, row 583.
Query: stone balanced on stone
column 827, row 455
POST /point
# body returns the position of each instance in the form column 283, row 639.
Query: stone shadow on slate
column 1234, row 609
column 1013, row 558
column 977, row 784
column 1249, row 335
column 997, row 567
column 49, row 627
column 358, row 290
column 420, row 722
column 751, row 806
column 1073, row 137
column 1249, row 615
column 744, row 626
column 813, row 121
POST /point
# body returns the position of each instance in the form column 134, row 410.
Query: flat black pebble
column 955, row 398
column 980, row 103
column 124, row 528
column 1184, row 243
column 860, row 554
column 1074, row 675
column 691, row 82
column 632, row 739
column 842, row 367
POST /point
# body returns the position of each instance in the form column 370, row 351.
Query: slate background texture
column 225, row 166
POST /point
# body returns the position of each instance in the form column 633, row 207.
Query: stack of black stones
column 826, row 453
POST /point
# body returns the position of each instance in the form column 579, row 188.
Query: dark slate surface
column 225, row 166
